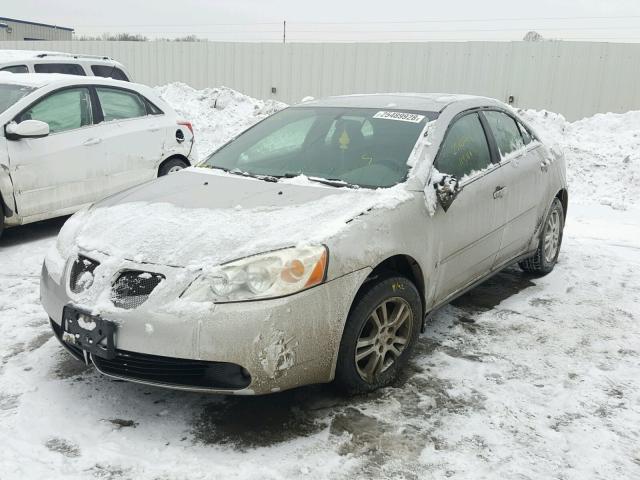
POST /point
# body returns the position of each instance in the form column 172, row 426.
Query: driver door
column 49, row 173
column 468, row 234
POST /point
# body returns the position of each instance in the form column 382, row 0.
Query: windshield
column 358, row 146
column 10, row 94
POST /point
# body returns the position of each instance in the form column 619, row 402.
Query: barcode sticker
column 401, row 116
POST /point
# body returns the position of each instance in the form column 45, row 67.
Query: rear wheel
column 379, row 336
column 172, row 165
column 1, row 218
column 546, row 256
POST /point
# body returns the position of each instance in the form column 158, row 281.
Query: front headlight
column 268, row 275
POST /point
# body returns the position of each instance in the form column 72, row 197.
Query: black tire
column 1, row 218
column 397, row 291
column 172, row 165
column 540, row 263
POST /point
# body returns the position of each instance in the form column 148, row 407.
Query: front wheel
column 379, row 335
column 546, row 256
column 172, row 165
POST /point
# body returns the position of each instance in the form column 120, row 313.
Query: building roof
column 58, row 27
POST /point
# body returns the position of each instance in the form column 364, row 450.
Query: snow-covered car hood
column 201, row 218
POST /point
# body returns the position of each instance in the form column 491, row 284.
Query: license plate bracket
column 89, row 332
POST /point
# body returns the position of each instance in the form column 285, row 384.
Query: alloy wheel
column 383, row 337
column 552, row 236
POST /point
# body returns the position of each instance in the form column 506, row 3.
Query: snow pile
column 602, row 154
column 217, row 114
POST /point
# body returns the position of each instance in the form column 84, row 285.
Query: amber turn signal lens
column 319, row 270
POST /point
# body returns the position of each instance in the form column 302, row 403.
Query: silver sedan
column 311, row 248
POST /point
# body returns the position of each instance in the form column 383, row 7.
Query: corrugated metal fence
column 576, row 79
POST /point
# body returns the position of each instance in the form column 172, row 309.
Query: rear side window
column 505, row 131
column 465, row 149
column 64, row 110
column 120, row 104
column 15, row 69
column 108, row 72
column 67, row 68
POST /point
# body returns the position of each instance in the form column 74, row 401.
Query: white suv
column 29, row 61
column 67, row 141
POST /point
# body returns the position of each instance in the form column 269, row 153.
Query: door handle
column 91, row 141
column 499, row 192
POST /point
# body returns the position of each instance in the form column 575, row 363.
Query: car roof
column 18, row 55
column 39, row 80
column 426, row 102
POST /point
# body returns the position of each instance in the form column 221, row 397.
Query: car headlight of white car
column 268, row 275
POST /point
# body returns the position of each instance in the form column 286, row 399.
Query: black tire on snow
column 537, row 264
column 1, row 218
column 347, row 377
column 166, row 167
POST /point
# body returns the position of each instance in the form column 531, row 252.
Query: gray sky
column 341, row 20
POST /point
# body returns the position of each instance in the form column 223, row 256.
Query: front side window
column 465, row 149
column 64, row 110
column 359, row 146
column 120, row 104
column 66, row 68
column 15, row 69
column 505, row 131
column 109, row 72
column 10, row 94
column 526, row 135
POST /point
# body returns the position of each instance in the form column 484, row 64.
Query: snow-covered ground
column 521, row 378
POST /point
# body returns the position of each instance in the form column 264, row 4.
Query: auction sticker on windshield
column 402, row 116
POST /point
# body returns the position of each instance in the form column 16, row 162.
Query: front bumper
column 275, row 344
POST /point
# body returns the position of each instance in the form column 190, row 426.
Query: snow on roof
column 428, row 102
column 22, row 55
column 31, row 79
column 13, row 55
column 41, row 79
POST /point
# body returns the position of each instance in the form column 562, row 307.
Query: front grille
column 133, row 287
column 81, row 277
column 174, row 371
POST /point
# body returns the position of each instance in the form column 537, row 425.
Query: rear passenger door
column 520, row 169
column 469, row 232
column 132, row 137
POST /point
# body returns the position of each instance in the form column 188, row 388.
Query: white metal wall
column 576, row 79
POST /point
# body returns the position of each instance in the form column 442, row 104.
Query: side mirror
column 26, row 129
column 447, row 189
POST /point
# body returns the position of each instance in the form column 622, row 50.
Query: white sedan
column 68, row 141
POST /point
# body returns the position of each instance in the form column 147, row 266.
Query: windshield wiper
column 266, row 178
column 242, row 173
column 334, row 182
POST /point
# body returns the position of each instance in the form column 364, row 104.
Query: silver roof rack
column 73, row 55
